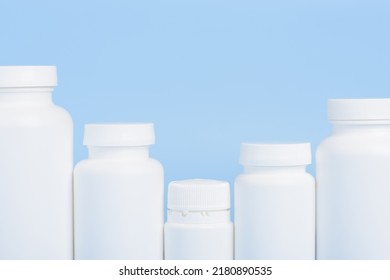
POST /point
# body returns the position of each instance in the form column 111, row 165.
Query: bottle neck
column 198, row 217
column 373, row 126
column 34, row 96
column 274, row 169
column 118, row 152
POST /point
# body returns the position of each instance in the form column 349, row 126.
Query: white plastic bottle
column 119, row 195
column 353, row 176
column 36, row 162
column 198, row 226
column 274, row 212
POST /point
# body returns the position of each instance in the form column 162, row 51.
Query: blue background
column 209, row 74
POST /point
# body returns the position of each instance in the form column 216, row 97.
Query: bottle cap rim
column 28, row 76
column 269, row 154
column 119, row 134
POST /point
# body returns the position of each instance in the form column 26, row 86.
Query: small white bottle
column 274, row 213
column 198, row 226
column 36, row 163
column 119, row 195
column 353, row 181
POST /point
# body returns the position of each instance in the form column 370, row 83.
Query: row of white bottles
column 119, row 189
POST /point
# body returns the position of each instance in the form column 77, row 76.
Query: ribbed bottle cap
column 198, row 195
column 119, row 135
column 259, row 154
column 28, row 76
column 359, row 109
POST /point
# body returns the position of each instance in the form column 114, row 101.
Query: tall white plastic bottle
column 198, row 226
column 274, row 212
column 119, row 195
column 36, row 162
column 353, row 176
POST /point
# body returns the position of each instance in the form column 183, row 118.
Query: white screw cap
column 198, row 195
column 119, row 135
column 259, row 154
column 359, row 109
column 28, row 76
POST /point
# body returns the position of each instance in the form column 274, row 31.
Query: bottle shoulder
column 228, row 225
column 351, row 144
column 62, row 113
column 276, row 179
column 119, row 165
column 156, row 163
column 35, row 116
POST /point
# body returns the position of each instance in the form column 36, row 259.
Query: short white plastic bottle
column 198, row 226
column 36, row 162
column 274, row 212
column 353, row 177
column 119, row 195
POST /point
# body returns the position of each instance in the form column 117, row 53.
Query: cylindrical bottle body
column 353, row 190
column 119, row 211
column 36, row 162
column 275, row 215
column 198, row 241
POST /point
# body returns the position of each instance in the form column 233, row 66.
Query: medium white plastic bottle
column 36, row 162
column 119, row 195
column 198, row 226
column 274, row 212
column 353, row 177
